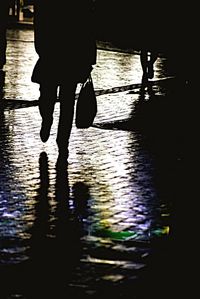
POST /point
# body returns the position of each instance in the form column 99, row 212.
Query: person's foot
column 45, row 129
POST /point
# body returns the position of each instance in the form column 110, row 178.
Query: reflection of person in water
column 55, row 243
column 81, row 196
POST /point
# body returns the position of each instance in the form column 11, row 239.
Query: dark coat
column 64, row 40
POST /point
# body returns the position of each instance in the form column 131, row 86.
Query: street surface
column 101, row 226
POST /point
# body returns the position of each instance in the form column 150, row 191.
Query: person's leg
column 47, row 100
column 3, row 46
column 144, row 60
column 152, row 58
column 4, row 13
column 67, row 102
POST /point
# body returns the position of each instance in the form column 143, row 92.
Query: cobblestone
column 116, row 241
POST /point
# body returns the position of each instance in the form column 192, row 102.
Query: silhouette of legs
column 67, row 101
column 147, row 59
column 47, row 99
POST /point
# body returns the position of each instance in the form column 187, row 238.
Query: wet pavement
column 103, row 226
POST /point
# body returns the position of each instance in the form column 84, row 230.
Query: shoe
column 45, row 129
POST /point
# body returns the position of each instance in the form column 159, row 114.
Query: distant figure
column 66, row 46
column 4, row 13
column 147, row 59
column 149, row 43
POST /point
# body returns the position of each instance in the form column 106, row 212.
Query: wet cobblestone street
column 101, row 227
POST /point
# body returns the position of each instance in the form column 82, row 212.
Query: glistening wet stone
column 101, row 225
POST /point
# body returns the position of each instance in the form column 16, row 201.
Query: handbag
column 86, row 106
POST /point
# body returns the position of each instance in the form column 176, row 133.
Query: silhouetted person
column 147, row 59
column 66, row 47
column 149, row 41
column 4, row 13
column 146, row 36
